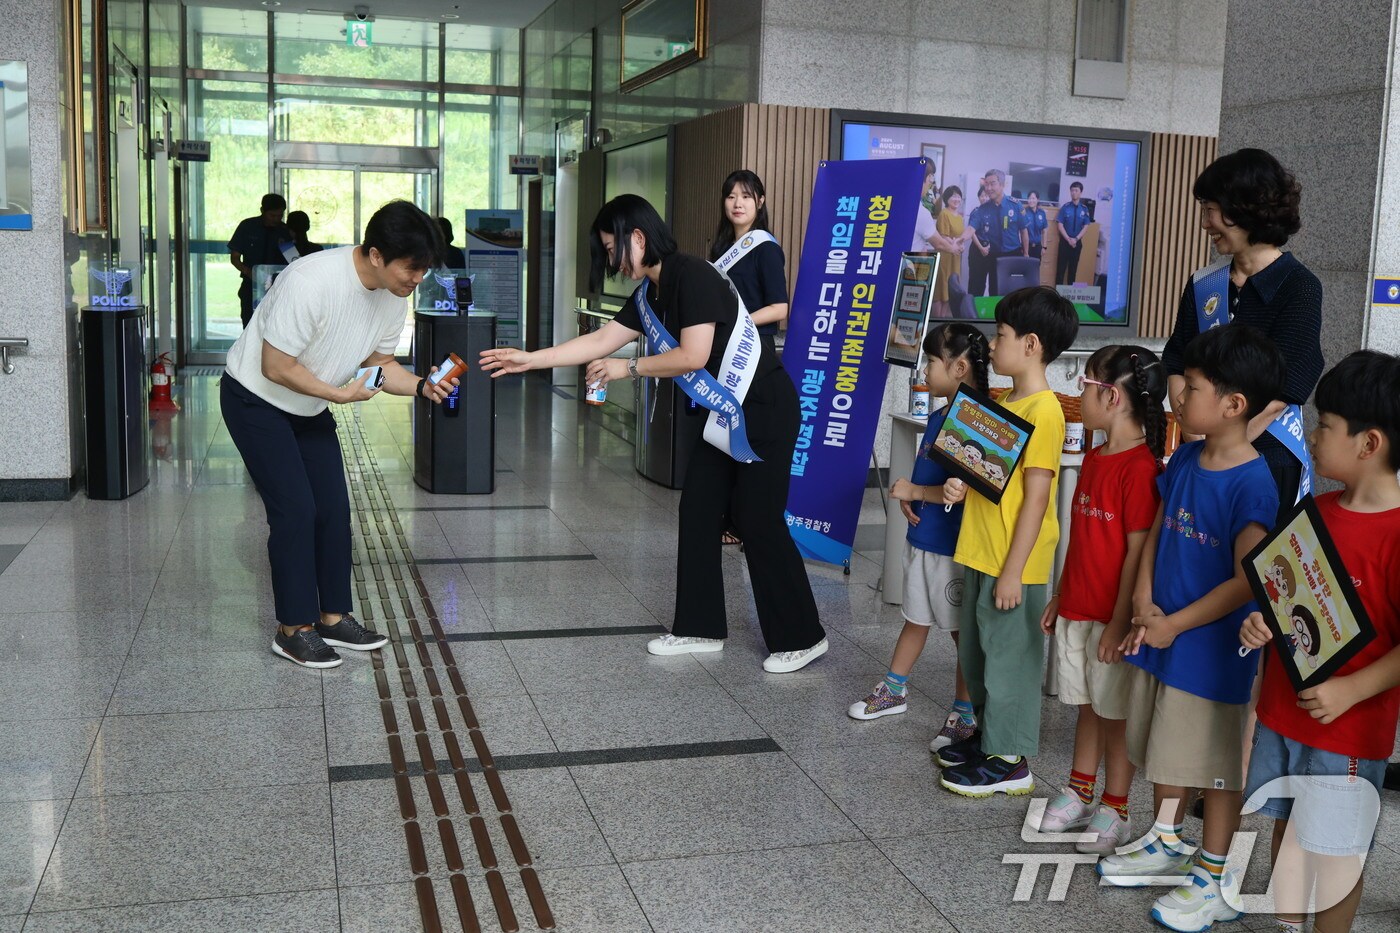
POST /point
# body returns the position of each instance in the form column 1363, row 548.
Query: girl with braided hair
column 1115, row 504
column 958, row 354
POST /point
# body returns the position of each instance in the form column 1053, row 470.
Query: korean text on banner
column 863, row 217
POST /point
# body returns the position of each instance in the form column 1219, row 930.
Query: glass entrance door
column 340, row 199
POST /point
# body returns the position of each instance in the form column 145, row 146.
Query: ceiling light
column 271, row 3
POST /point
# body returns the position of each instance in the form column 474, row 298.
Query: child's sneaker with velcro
column 1197, row 903
column 1066, row 813
column 1148, row 861
column 1108, row 831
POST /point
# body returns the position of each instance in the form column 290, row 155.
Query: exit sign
column 358, row 34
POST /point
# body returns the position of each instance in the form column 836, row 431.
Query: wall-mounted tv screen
column 641, row 167
column 1020, row 205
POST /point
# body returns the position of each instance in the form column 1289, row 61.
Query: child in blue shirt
column 957, row 355
column 1189, row 696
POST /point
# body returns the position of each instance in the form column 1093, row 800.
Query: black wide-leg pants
column 753, row 497
column 296, row 465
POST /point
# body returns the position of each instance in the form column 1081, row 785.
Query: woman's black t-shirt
column 761, row 280
column 693, row 292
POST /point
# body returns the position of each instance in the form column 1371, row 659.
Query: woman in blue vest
column 1249, row 209
column 698, row 335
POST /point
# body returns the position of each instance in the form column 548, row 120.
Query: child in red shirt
column 1115, row 503
column 1334, row 738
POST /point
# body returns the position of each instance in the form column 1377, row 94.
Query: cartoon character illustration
column 1279, row 581
column 996, row 473
column 972, row 455
column 1307, row 635
column 952, row 445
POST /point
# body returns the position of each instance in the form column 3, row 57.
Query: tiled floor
column 161, row 770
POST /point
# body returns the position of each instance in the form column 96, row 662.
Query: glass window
column 312, row 114
column 482, row 55
column 227, row 40
column 223, row 191
column 314, row 44
column 480, row 134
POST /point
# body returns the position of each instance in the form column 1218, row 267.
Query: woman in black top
column 697, row 307
column 1249, row 208
column 759, row 277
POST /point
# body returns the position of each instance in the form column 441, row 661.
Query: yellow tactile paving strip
column 387, row 584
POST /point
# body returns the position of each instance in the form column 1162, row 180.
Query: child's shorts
column 1335, row 800
column 1083, row 677
column 933, row 588
column 1182, row 740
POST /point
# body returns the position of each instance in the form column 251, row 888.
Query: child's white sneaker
column 1109, row 831
column 1066, row 814
column 1146, row 862
column 1197, row 904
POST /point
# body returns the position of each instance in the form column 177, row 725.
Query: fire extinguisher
column 161, row 371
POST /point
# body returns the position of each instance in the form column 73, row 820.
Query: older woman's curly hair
column 1254, row 192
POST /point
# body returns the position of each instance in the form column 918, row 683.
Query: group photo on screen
column 1006, row 210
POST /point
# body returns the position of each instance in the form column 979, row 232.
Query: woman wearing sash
column 757, row 268
column 1249, row 208
column 749, row 256
column 698, row 335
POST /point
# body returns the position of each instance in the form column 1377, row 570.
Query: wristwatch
column 419, row 391
column 632, row 368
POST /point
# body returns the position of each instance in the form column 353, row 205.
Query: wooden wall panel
column 783, row 145
column 1174, row 245
column 707, row 150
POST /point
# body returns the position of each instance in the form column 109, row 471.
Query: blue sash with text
column 713, row 394
column 1211, row 285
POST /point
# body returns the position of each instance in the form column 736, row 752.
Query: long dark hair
column 619, row 217
column 954, row 340
column 753, row 186
column 1143, row 379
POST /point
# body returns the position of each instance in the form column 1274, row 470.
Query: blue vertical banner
column 862, row 220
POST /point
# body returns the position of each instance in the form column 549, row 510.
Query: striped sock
column 1083, row 785
column 1168, row 834
column 964, row 710
column 1117, row 803
column 1215, row 864
column 896, row 683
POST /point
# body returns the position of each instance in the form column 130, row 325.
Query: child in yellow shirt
column 1008, row 549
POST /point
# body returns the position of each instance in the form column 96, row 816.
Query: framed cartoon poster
column 912, row 303
column 1307, row 598
column 981, row 442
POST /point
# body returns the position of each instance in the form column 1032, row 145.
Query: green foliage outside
column 479, row 133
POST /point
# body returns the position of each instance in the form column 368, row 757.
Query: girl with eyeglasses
column 1115, row 503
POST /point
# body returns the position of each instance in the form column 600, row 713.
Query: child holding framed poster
column 981, row 442
column 1306, row 597
column 1007, row 544
column 1325, row 731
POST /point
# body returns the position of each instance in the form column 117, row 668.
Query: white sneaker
column 1146, row 862
column 785, row 662
column 683, row 644
column 1196, row 904
column 1109, row 831
column 1066, row 814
